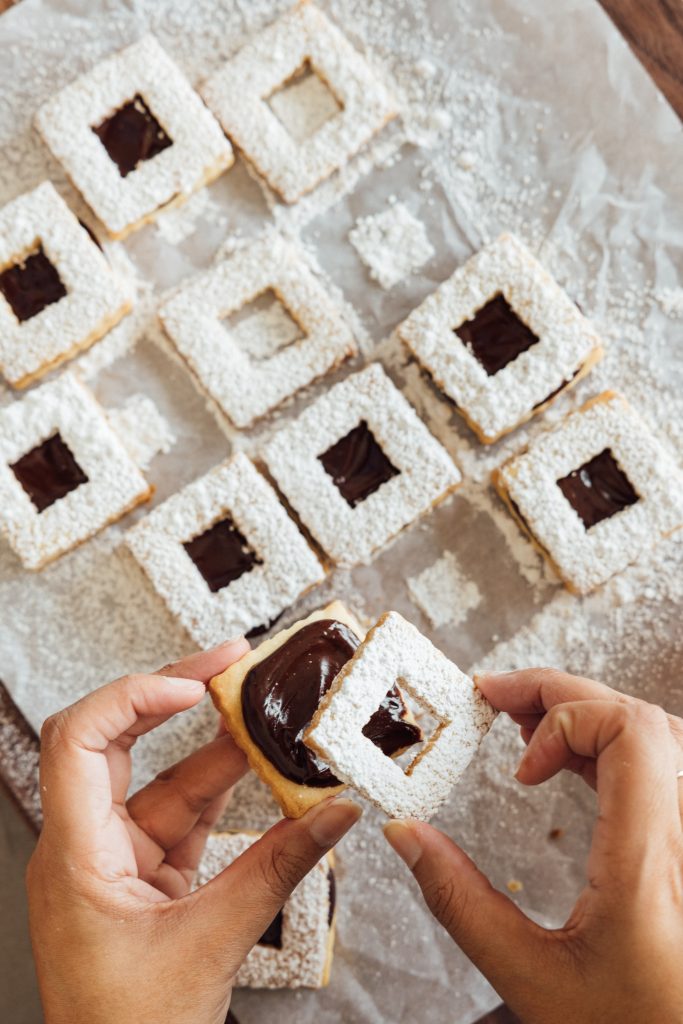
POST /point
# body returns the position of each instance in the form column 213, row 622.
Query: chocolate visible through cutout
column 304, row 102
column 263, row 327
column 48, row 472
column 495, row 335
column 132, row 134
column 272, row 936
column 31, row 284
column 222, row 554
column 357, row 465
column 598, row 489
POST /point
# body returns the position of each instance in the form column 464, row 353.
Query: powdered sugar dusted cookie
column 394, row 650
column 64, row 473
column 359, row 465
column 224, row 554
column 501, row 338
column 257, row 328
column 58, row 293
column 244, row 95
column 133, row 136
column 295, row 951
column 595, row 492
column 269, row 697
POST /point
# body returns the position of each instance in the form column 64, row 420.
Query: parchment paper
column 517, row 115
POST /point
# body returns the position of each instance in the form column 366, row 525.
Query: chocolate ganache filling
column 281, row 694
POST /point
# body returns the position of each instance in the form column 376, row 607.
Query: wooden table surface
column 654, row 30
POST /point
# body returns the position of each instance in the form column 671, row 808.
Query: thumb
column 499, row 939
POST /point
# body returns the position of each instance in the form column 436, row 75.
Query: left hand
column 117, row 935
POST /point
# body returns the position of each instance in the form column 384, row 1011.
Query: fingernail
column 187, row 684
column 402, row 837
column 492, row 675
column 229, row 643
column 330, row 821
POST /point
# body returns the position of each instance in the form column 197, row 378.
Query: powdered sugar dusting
column 392, row 244
column 443, row 593
column 142, row 428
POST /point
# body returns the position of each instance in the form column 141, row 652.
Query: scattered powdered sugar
column 671, row 301
column 443, row 592
column 175, row 225
column 142, row 428
column 392, row 244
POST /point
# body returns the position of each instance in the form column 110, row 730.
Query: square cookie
column 64, row 472
column 133, row 136
column 347, row 102
column 359, row 465
column 501, row 339
column 224, row 555
column 291, row 671
column 595, row 492
column 295, row 951
column 256, row 328
column 395, row 650
column 58, row 293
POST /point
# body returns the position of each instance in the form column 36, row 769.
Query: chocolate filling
column 332, row 881
column 598, row 489
column 231, row 1018
column 222, row 554
column 357, row 465
column 281, row 694
column 262, row 628
column 563, row 385
column 31, row 285
column 495, row 335
column 48, row 472
column 132, row 134
column 272, row 936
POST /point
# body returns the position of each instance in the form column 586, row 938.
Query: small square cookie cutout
column 296, row 949
column 501, row 339
column 394, row 650
column 224, row 554
column 133, row 136
column 344, row 101
column 64, row 472
column 58, row 293
column 359, row 465
column 595, row 492
column 256, row 328
column 268, row 698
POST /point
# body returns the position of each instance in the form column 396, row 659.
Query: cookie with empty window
column 269, row 697
column 257, row 328
column 133, row 136
column 299, row 101
column 64, row 472
column 394, row 650
column 501, row 339
column 224, row 554
column 359, row 465
column 594, row 493
column 58, row 293
column 296, row 950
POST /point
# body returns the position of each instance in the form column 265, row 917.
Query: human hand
column 117, row 935
column 617, row 960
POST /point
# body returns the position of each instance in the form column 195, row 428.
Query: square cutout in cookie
column 64, row 473
column 58, row 293
column 134, row 136
column 304, row 103
column 595, row 492
column 226, row 581
column 395, row 651
column 422, row 472
column 501, row 338
column 295, row 951
column 249, row 366
column 251, row 92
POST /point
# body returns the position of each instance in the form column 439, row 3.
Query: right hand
column 619, row 957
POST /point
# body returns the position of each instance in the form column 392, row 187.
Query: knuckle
column 448, row 903
column 282, row 870
column 52, row 732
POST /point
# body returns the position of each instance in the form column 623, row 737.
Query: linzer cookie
column 133, row 136
column 64, row 472
column 395, row 651
column 501, row 339
column 595, row 492
column 359, row 465
column 58, row 293
column 295, row 951
column 257, row 328
column 224, row 554
column 269, row 697
column 302, row 52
